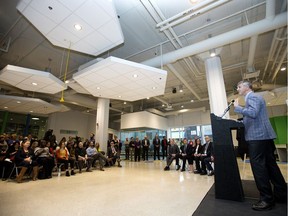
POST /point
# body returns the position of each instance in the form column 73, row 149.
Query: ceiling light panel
column 26, row 105
column 101, row 30
column 115, row 77
column 23, row 78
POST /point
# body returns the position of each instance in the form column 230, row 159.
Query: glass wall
column 141, row 134
column 21, row 124
column 190, row 132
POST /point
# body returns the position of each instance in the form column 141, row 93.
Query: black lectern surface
column 228, row 184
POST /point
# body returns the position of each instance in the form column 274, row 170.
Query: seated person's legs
column 208, row 162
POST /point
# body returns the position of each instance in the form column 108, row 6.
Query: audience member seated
column 94, row 155
column 113, row 155
column 197, row 155
column 24, row 159
column 10, row 159
column 172, row 153
column 208, row 158
column 183, row 154
column 102, row 153
column 205, row 153
column 191, row 147
column 45, row 159
column 81, row 157
column 71, row 147
column 3, row 152
column 62, row 156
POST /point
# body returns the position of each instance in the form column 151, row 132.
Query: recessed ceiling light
column 34, row 118
column 77, row 27
column 119, row 96
column 192, row 100
column 124, row 102
column 98, row 88
column 18, row 102
column 154, row 87
column 182, row 106
column 35, row 84
column 283, row 69
column 5, row 107
column 148, row 98
column 163, row 105
column 183, row 110
column 212, row 52
column 135, row 75
column 31, row 111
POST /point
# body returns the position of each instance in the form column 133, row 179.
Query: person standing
column 137, row 144
column 127, row 150
column 156, row 144
column 260, row 136
column 145, row 145
column 164, row 144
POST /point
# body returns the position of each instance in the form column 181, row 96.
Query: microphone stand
column 227, row 109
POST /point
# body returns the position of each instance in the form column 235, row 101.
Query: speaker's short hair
column 245, row 83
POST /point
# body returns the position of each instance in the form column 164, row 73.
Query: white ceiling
column 100, row 31
column 21, row 44
column 28, row 105
column 120, row 79
column 31, row 80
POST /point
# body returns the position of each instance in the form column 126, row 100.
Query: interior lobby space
column 138, row 188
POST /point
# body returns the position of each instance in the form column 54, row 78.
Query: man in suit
column 145, row 146
column 173, row 154
column 207, row 157
column 183, row 154
column 156, row 144
column 259, row 135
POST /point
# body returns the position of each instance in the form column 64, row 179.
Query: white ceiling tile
column 111, row 27
column 93, row 14
column 38, row 19
column 134, row 88
column 89, row 13
column 98, row 41
column 106, row 6
column 63, row 36
column 52, row 9
column 28, row 76
column 72, row 5
column 36, row 105
column 73, row 19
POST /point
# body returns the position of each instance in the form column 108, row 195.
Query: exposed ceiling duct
column 244, row 32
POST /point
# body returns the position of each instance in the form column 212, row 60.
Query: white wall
column 143, row 119
column 71, row 120
column 280, row 110
column 190, row 118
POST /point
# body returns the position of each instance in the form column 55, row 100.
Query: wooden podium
column 228, row 184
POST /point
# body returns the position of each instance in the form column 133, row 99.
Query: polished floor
column 136, row 189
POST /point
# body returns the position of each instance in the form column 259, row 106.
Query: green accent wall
column 279, row 123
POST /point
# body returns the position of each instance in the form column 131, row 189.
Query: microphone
column 228, row 108
column 230, row 104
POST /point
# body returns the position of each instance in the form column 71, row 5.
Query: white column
column 216, row 87
column 102, row 120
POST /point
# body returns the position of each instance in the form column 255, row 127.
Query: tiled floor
column 136, row 189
